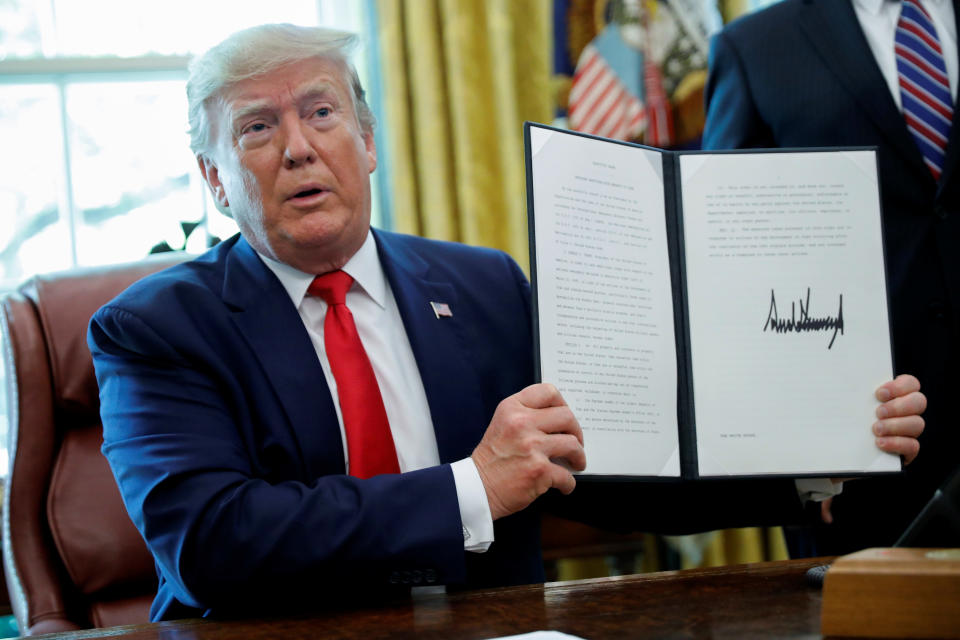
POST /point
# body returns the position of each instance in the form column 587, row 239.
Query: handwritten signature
column 805, row 323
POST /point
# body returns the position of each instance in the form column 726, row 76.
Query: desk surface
column 765, row 600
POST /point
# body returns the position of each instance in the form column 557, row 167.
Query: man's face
column 293, row 165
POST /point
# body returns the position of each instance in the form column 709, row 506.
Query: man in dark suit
column 219, row 399
column 823, row 73
column 230, row 412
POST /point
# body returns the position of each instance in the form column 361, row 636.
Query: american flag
column 606, row 96
column 441, row 310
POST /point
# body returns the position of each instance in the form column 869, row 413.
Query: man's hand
column 899, row 422
column 529, row 430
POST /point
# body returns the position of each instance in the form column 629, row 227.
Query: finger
column 910, row 426
column 562, row 479
column 911, row 404
column 825, row 513
column 899, row 386
column 566, row 447
column 540, row 396
column 558, row 420
column 899, row 445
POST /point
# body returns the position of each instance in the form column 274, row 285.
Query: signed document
column 711, row 314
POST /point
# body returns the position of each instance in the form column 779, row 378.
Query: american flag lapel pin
column 441, row 310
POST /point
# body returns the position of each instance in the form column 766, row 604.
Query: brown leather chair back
column 73, row 558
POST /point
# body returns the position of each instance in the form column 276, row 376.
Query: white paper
column 768, row 238
column 604, row 298
column 541, row 635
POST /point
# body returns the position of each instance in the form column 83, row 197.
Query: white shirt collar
column 874, row 6
column 364, row 267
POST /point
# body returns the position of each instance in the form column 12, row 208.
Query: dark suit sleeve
column 733, row 121
column 226, row 534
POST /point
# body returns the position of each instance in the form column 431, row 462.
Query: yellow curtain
column 740, row 546
column 711, row 549
column 460, row 77
column 731, row 9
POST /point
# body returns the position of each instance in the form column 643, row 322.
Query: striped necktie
column 924, row 87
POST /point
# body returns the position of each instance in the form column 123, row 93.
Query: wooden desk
column 765, row 600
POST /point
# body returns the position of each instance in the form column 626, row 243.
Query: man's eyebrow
column 315, row 91
column 249, row 109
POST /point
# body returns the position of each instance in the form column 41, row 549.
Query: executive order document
column 737, row 297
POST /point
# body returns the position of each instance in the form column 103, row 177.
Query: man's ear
column 371, row 150
column 211, row 175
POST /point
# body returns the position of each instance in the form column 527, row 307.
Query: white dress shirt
column 878, row 19
column 381, row 331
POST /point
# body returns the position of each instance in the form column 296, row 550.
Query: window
column 97, row 167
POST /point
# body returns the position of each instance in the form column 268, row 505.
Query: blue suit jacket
column 801, row 74
column 222, row 433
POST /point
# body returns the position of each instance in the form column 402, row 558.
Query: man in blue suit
column 227, row 419
column 822, row 73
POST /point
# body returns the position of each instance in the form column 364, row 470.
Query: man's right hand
column 529, row 430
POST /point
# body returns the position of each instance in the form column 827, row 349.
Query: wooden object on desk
column 763, row 600
column 893, row 593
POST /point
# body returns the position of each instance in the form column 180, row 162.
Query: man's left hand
column 899, row 422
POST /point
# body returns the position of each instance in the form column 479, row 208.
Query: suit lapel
column 450, row 382
column 272, row 327
column 833, row 29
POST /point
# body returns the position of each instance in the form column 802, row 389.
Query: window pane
column 19, row 29
column 170, row 27
column 131, row 169
column 34, row 236
column 219, row 226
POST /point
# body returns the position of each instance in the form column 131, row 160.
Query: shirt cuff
column 474, row 509
column 817, row 489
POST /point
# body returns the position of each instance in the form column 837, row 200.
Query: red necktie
column 369, row 442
